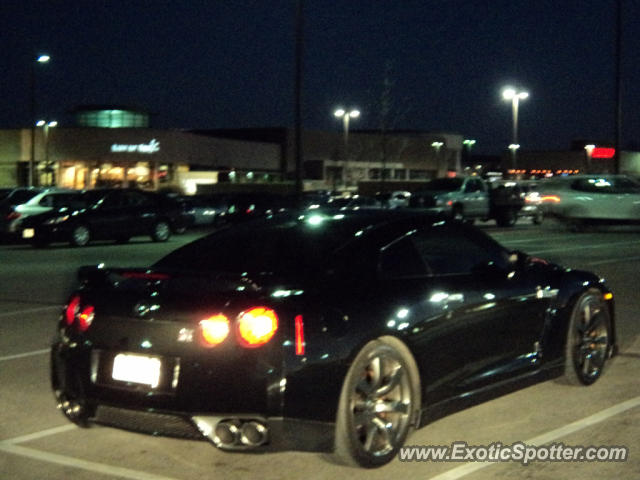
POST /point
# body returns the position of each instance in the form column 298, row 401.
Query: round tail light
column 256, row 326
column 214, row 330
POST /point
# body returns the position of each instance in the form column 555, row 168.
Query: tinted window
column 455, row 250
column 400, row 259
column 274, row 246
column 22, row 196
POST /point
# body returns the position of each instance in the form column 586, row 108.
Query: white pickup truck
column 469, row 199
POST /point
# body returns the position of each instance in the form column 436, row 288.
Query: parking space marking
column 612, row 260
column 583, row 247
column 26, row 354
column 78, row 463
column 37, row 435
column 30, row 310
column 466, row 469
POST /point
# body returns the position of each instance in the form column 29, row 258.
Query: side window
column 400, row 259
column 472, row 186
column 450, row 251
column 46, row 201
column 112, row 200
column 135, row 199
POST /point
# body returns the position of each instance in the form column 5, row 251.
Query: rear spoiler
column 100, row 275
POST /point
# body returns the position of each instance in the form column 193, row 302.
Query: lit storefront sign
column 152, row 147
column 603, row 152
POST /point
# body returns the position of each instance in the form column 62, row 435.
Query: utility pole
column 298, row 97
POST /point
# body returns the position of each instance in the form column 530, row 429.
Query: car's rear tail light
column 72, row 309
column 85, row 318
column 550, row 199
column 214, row 330
column 299, row 335
column 256, row 326
column 13, row 216
column 79, row 314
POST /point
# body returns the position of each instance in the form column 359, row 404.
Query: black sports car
column 323, row 332
column 107, row 214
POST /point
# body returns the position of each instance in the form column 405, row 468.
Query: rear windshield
column 293, row 247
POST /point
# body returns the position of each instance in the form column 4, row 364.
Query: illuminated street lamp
column 39, row 60
column 346, row 116
column 437, row 145
column 45, row 134
column 513, row 95
column 514, row 148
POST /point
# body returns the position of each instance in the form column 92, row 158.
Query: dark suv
column 107, row 214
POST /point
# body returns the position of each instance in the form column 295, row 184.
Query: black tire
column 507, row 218
column 161, row 231
column 379, row 404
column 588, row 339
column 538, row 218
column 80, row 235
column 457, row 213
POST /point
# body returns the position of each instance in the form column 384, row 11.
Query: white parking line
column 23, row 355
column 30, row 310
column 10, row 446
column 42, row 433
column 583, row 247
column 81, row 464
column 612, row 260
column 466, row 469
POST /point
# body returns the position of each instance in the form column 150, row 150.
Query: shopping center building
column 115, row 146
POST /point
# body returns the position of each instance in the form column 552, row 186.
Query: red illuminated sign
column 603, row 152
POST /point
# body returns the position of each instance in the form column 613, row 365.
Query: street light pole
column 437, row 146
column 346, row 115
column 514, row 96
column 45, row 134
column 32, row 118
column 589, row 149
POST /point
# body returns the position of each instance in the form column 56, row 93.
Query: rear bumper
column 193, row 413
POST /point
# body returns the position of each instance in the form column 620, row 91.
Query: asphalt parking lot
column 37, row 442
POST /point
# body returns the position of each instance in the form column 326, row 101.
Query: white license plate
column 28, row 233
column 136, row 369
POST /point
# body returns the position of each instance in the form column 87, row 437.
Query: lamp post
column 45, row 133
column 589, row 149
column 514, row 148
column 468, row 143
column 437, row 146
column 513, row 95
column 346, row 116
column 40, row 59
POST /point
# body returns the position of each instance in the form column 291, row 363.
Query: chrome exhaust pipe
column 253, row 434
column 227, row 433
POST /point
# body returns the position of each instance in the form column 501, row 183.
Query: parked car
column 354, row 202
column 9, row 198
column 526, row 193
column 469, row 199
column 601, row 199
column 44, row 201
column 106, row 214
column 336, row 333
column 249, row 206
column 395, row 199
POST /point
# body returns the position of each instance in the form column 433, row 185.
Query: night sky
column 230, row 64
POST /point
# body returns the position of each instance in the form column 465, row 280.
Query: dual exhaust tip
column 237, row 433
